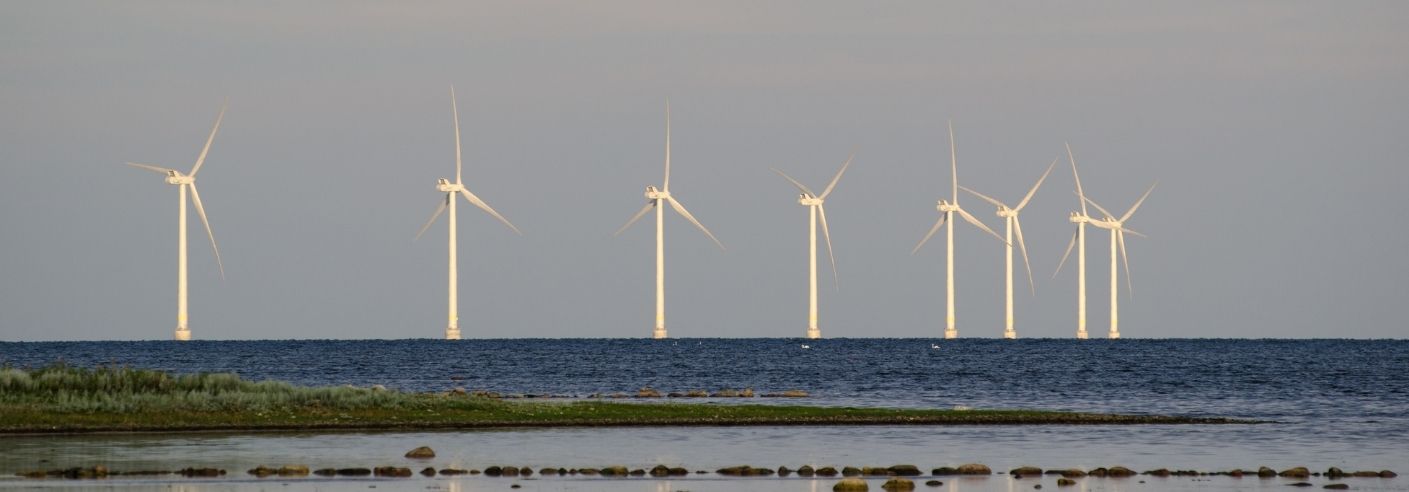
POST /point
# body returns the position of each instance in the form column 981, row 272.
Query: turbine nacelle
column 1078, row 218
column 176, row 178
column 1006, row 212
column 945, row 206
column 655, row 194
column 808, row 200
column 445, row 186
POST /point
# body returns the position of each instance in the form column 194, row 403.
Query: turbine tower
column 654, row 198
column 948, row 210
column 1078, row 239
column 1010, row 216
column 1118, row 230
column 184, row 182
column 452, row 328
column 813, row 202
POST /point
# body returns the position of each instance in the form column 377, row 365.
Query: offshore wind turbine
column 813, row 202
column 654, row 197
column 452, row 328
column 1078, row 239
column 948, row 210
column 184, row 182
column 1010, row 216
column 1118, row 230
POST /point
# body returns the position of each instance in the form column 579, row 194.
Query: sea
column 1322, row 403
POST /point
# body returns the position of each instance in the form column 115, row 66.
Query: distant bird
column 452, row 329
column 947, row 211
column 188, row 182
column 1118, row 230
column 813, row 202
column 655, row 198
column 806, row 346
column 934, row 346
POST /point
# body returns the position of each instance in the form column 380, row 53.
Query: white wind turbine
column 948, row 210
column 1010, row 215
column 1118, row 230
column 1078, row 239
column 452, row 329
column 813, row 202
column 654, row 198
column 183, row 182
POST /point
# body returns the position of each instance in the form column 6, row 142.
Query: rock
column 1120, row 471
column 679, row 471
column 905, row 470
column 1097, row 472
column 548, row 471
column 453, row 471
column 391, row 471
column 591, row 472
column 734, row 471
column 933, row 483
column 1037, row 486
column 1337, row 486
column 474, row 471
column 327, row 472
column 851, row 485
column 696, row 394
column 944, row 470
column 673, row 394
column 1265, row 472
column 850, row 471
column 1298, row 472
column 898, row 484
column 423, row 452
column 525, row 471
column 1334, row 472
column 1236, row 473
column 293, row 471
column 1025, row 471
column 660, row 471
column 1299, row 484
column 784, row 471
column 201, row 472
column 647, row 392
column 1161, row 472
column 1388, row 474
column 1065, row 482
column 428, row 471
column 1072, row 473
column 515, row 486
column 262, row 471
column 614, row 471
column 493, row 471
column 974, row 469
column 826, row 471
column 874, row 471
column 638, row 473
column 746, row 393
column 806, row 471
column 509, row 471
column 725, row 393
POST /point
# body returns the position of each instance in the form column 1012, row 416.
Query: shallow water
column 1335, row 403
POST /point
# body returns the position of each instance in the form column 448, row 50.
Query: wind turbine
column 452, row 329
column 948, row 209
column 813, row 202
column 1078, row 239
column 654, row 198
column 183, row 182
column 1118, row 230
column 1010, row 215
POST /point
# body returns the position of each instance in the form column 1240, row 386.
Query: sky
column 1276, row 131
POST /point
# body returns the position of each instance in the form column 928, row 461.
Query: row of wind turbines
column 656, row 198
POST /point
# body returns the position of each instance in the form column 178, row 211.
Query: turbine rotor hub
column 808, row 201
column 945, row 206
column 653, row 194
column 445, row 186
column 177, row 179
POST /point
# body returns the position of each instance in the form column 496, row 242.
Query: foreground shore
column 76, row 400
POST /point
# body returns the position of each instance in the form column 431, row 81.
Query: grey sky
column 1275, row 129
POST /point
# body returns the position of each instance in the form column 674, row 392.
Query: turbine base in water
column 452, row 333
column 950, row 333
column 183, row 335
column 814, row 333
column 659, row 333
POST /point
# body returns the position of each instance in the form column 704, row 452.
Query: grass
column 68, row 399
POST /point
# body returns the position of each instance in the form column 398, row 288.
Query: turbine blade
column 485, row 207
column 1033, row 191
column 822, row 212
column 1022, row 246
column 680, row 209
column 1135, row 207
column 200, row 210
column 930, row 234
column 1128, row 231
column 1129, row 285
column 1080, row 195
column 970, row 218
column 1100, row 208
column 795, row 182
column 636, row 217
column 985, row 198
column 953, row 166
column 666, row 185
column 206, row 150
column 149, row 167
column 438, row 210
column 836, row 178
column 1070, row 245
column 455, row 112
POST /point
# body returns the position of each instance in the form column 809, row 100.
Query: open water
column 1338, row 403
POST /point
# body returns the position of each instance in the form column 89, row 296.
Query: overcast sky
column 1276, row 131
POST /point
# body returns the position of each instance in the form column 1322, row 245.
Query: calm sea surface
column 1334, row 402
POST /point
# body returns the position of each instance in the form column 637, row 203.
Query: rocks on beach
column 423, row 452
column 851, row 485
column 898, row 484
